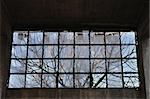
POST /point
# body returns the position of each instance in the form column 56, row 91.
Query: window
column 74, row 60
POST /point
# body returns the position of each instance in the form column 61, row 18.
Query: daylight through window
column 65, row 59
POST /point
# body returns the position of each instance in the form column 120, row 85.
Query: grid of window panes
column 65, row 59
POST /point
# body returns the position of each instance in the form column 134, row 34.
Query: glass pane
column 49, row 80
column 50, row 65
column 127, row 37
column 66, row 37
column 114, row 80
column 99, row 80
column 82, row 37
column 20, row 37
column 65, row 81
column 97, row 51
column 33, row 80
column 131, row 80
column 50, row 51
column 112, row 38
column 81, row 65
column 114, row 65
column 82, row 80
column 16, row 81
column 18, row 66
column 19, row 51
column 113, row 51
column 82, row 51
column 66, row 51
column 130, row 65
column 51, row 37
column 34, row 66
column 129, row 51
column 35, row 37
column 35, row 51
column 66, row 65
column 97, row 37
column 97, row 65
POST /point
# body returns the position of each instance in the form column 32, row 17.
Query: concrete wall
column 5, row 38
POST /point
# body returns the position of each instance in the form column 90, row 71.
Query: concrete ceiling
column 75, row 12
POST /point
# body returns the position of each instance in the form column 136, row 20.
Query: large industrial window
column 85, row 59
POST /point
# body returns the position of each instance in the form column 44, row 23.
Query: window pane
column 20, row 37
column 66, row 65
column 34, row 66
column 19, row 51
column 129, row 51
column 82, row 37
column 82, row 51
column 66, row 51
column 113, row 51
column 131, row 80
column 18, row 66
column 50, row 65
column 66, row 37
column 49, row 81
column 97, row 51
column 50, row 51
column 81, row 65
column 16, row 81
column 114, row 65
column 35, row 37
column 35, row 52
column 65, row 81
column 99, row 80
column 127, row 37
column 112, row 37
column 98, row 65
column 33, row 80
column 51, row 37
column 114, row 80
column 97, row 37
column 130, row 65
column 82, row 81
